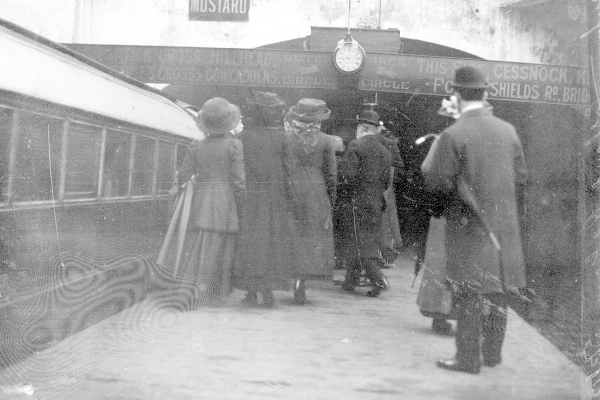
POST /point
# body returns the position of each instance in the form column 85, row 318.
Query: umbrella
column 180, row 217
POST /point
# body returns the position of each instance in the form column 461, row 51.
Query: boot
column 268, row 299
column 299, row 291
column 441, row 326
column 353, row 273
column 251, row 298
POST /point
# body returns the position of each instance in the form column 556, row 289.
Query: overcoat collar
column 476, row 112
column 370, row 136
column 221, row 135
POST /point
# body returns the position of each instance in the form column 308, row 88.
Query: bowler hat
column 368, row 117
column 470, row 77
column 265, row 99
column 218, row 116
column 309, row 110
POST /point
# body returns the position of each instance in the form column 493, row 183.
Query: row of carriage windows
column 58, row 159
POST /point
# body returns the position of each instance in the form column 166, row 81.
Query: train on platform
column 87, row 159
column 88, row 155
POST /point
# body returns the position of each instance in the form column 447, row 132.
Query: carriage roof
column 37, row 67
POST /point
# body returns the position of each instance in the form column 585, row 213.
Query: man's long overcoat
column 366, row 167
column 487, row 154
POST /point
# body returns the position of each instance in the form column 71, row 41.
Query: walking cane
column 469, row 198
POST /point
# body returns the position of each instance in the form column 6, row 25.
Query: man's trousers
column 480, row 315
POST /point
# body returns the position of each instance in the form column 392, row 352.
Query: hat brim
column 278, row 104
column 366, row 121
column 226, row 126
column 309, row 118
column 471, row 86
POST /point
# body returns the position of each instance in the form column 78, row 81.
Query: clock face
column 349, row 58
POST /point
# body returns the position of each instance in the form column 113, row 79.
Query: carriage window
column 166, row 167
column 181, row 151
column 37, row 167
column 116, row 164
column 5, row 132
column 143, row 166
column 83, row 159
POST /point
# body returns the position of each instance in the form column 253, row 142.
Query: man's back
column 484, row 152
column 367, row 165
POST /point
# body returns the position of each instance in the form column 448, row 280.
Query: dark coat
column 366, row 168
column 266, row 238
column 218, row 165
column 487, row 154
column 392, row 146
column 314, row 183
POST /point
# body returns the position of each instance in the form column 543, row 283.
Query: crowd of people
column 262, row 199
column 269, row 204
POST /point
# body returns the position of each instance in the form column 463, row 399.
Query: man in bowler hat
column 479, row 162
column 366, row 168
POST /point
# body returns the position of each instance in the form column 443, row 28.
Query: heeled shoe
column 268, row 301
column 384, row 284
column 347, row 286
column 454, row 365
column 299, row 291
column 251, row 299
column 441, row 327
column 492, row 362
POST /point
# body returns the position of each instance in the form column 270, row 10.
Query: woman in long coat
column 216, row 165
column 265, row 259
column 314, row 184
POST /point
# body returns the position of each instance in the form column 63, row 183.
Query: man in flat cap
column 479, row 162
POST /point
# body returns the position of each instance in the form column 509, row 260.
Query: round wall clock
column 349, row 57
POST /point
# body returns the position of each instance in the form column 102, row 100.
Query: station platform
column 338, row 346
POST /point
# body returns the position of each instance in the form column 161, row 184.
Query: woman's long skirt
column 207, row 259
column 435, row 299
column 205, row 268
column 266, row 241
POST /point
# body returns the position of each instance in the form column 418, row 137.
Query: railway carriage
column 87, row 158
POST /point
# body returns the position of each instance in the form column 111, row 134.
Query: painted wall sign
column 508, row 81
column 210, row 66
column 310, row 69
column 219, row 10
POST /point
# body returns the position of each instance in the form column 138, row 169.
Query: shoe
column 268, row 301
column 383, row 283
column 492, row 362
column 453, row 365
column 251, row 299
column 347, row 286
column 299, row 291
column 375, row 292
column 441, row 327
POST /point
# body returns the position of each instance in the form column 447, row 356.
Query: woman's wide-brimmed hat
column 265, row 99
column 309, row 110
column 218, row 116
column 470, row 77
column 368, row 117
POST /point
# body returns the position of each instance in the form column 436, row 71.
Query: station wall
column 54, row 19
column 547, row 32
